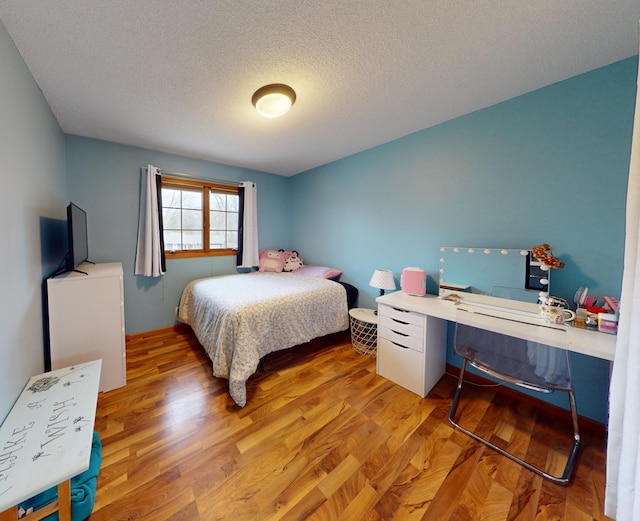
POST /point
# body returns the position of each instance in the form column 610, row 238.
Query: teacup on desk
column 556, row 314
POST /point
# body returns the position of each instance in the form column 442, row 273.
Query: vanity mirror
column 498, row 272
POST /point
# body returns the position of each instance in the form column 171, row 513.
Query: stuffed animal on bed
column 271, row 260
column 293, row 262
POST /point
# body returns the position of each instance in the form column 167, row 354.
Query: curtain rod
column 199, row 178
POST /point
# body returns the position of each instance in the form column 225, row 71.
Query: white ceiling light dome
column 274, row 100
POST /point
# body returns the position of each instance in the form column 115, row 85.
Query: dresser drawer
column 400, row 315
column 400, row 365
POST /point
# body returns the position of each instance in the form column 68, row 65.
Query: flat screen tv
column 77, row 233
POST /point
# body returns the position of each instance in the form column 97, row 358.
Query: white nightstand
column 364, row 331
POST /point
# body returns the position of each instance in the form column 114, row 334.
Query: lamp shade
column 382, row 279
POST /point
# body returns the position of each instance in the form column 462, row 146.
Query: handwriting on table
column 54, row 424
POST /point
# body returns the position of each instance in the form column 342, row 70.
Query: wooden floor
column 323, row 437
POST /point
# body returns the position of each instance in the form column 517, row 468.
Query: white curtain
column 248, row 241
column 150, row 250
column 622, row 497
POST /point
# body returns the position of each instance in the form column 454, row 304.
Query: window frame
column 205, row 187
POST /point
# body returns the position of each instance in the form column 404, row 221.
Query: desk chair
column 530, row 365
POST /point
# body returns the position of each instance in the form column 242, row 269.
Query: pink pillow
column 318, row 271
column 272, row 260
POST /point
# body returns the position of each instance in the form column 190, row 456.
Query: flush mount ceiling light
column 273, row 101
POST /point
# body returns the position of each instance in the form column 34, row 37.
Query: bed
column 240, row 318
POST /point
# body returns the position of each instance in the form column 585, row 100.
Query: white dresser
column 410, row 349
column 86, row 321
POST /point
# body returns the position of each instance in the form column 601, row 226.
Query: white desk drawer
column 403, row 328
column 412, row 344
column 401, row 366
column 400, row 315
column 415, row 343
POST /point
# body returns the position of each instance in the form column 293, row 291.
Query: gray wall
column 103, row 178
column 32, row 162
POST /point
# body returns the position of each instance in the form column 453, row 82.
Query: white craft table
column 46, row 439
column 519, row 319
column 412, row 349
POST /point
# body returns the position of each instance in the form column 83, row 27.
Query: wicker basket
column 364, row 331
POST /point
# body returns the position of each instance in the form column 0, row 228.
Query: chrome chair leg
column 563, row 479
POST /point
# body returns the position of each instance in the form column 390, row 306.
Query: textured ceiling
column 178, row 76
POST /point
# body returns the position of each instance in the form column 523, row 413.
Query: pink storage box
column 413, row 281
column 607, row 323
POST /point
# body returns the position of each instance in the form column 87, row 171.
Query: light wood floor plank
column 323, row 437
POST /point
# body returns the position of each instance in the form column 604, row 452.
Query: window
column 199, row 218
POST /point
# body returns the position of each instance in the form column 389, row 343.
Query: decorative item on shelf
column 554, row 310
column 383, row 280
column 580, row 296
column 413, row 281
column 543, row 254
column 612, row 304
column 273, row 101
column 591, row 322
column 608, row 323
column 581, row 317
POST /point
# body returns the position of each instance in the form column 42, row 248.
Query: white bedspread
column 240, row 318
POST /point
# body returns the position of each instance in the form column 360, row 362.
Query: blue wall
column 103, row 178
column 32, row 214
column 549, row 166
column 500, row 177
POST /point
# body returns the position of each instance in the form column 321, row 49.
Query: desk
column 46, row 438
column 521, row 322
